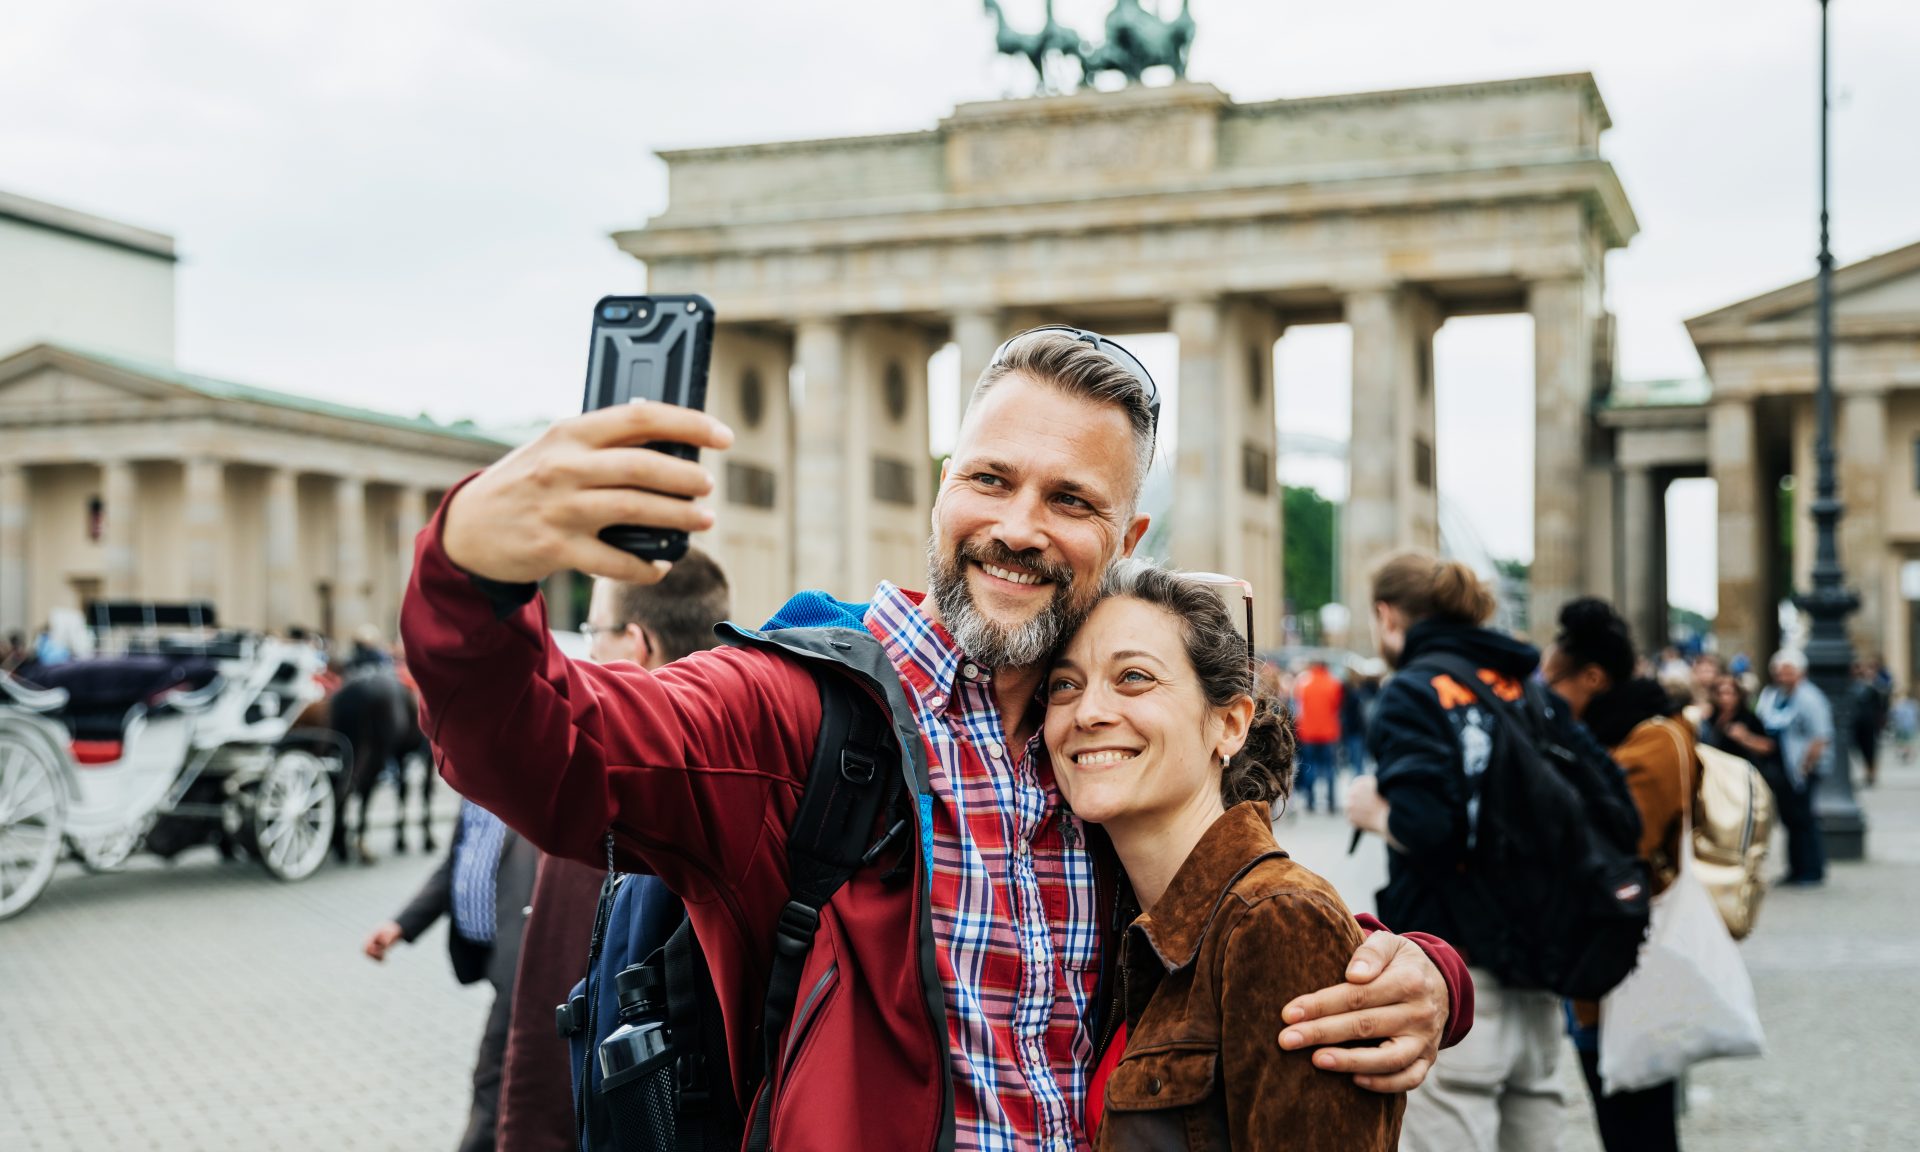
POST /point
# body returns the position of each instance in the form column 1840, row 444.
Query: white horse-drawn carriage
column 181, row 736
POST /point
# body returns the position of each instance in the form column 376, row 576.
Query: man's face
column 1034, row 505
column 608, row 642
column 1787, row 675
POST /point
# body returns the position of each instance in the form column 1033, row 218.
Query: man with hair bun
column 1500, row 1088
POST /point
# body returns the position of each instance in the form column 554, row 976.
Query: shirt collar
column 922, row 650
column 1234, row 843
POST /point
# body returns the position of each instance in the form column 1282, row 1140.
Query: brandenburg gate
column 841, row 265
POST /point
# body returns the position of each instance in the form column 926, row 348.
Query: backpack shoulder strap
column 849, row 785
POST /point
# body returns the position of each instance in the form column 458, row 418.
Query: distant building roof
column 55, row 218
column 1683, row 392
column 230, row 390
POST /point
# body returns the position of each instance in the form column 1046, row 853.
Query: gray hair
column 1078, row 368
column 1788, row 657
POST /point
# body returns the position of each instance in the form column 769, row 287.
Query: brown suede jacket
column 1241, row 931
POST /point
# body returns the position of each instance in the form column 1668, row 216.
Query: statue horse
column 1138, row 40
column 1053, row 39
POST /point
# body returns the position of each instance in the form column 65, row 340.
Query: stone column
column 753, row 500
column 1861, row 447
column 410, row 518
column 977, row 332
column 350, row 557
column 1226, row 514
column 1734, row 460
column 13, row 548
column 887, row 454
column 205, row 518
column 829, row 445
column 119, row 497
column 1639, row 555
column 282, row 536
column 557, row 589
column 1563, row 346
column 1391, row 498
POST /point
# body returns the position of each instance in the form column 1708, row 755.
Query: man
column 977, row 979
column 482, row 887
column 1798, row 717
column 1316, row 726
column 647, row 625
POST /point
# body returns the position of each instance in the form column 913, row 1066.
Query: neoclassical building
column 129, row 479
column 1751, row 427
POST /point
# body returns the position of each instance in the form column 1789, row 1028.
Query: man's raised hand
column 540, row 508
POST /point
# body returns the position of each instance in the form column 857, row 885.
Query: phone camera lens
column 615, row 312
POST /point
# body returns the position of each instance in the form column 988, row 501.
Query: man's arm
column 564, row 750
column 1412, row 994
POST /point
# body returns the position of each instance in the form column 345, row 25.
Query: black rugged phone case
column 660, row 351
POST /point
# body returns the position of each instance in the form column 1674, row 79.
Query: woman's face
column 1128, row 724
column 1726, row 695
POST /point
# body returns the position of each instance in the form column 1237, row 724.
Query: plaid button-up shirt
column 1015, row 929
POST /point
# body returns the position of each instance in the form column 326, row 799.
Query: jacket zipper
column 805, row 1020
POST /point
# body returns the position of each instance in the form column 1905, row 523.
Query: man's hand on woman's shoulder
column 1395, row 996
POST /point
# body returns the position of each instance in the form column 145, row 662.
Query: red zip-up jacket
column 697, row 769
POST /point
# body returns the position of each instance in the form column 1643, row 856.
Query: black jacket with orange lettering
column 1426, row 731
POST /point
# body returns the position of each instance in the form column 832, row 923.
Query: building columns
column 1861, row 444
column 1392, row 501
column 1734, row 459
column 205, row 520
column 1564, row 327
column 1226, row 515
column 13, row 549
column 1640, row 525
column 350, row 557
column 825, row 437
column 283, row 526
column 753, row 527
column 119, row 496
column 978, row 333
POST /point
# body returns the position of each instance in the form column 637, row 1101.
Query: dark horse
column 380, row 720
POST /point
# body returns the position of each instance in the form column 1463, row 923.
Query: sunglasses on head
column 1223, row 586
column 1104, row 346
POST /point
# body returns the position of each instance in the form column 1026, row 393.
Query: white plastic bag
column 1689, row 999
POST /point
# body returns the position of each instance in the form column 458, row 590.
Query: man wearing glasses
column 955, row 1011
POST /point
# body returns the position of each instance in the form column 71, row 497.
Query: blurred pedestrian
column 648, row 625
column 1591, row 666
column 1869, row 715
column 482, row 889
column 1316, row 725
column 1797, row 716
column 1733, row 727
column 1431, row 737
column 1903, row 719
column 1356, row 702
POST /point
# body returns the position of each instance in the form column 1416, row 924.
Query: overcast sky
column 406, row 205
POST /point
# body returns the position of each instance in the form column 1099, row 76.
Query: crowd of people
column 1074, row 925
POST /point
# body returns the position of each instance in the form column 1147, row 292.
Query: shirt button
column 994, row 750
column 936, row 702
column 970, row 671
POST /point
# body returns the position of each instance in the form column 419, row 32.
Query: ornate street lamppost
column 1829, row 653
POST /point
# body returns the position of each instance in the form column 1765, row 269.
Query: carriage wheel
column 33, row 812
column 293, row 814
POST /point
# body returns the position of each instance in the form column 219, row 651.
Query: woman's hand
column 1394, row 994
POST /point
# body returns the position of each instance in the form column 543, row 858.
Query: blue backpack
column 684, row 1100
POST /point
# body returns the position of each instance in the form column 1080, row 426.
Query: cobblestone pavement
column 204, row 1006
column 1837, row 974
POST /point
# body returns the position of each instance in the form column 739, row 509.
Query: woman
column 1156, row 735
column 1591, row 666
column 1733, row 726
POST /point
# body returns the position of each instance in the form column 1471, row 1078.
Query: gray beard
column 984, row 641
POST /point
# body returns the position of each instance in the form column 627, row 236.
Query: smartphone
column 651, row 348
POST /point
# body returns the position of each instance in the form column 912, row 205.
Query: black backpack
column 683, row 1099
column 1553, row 894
